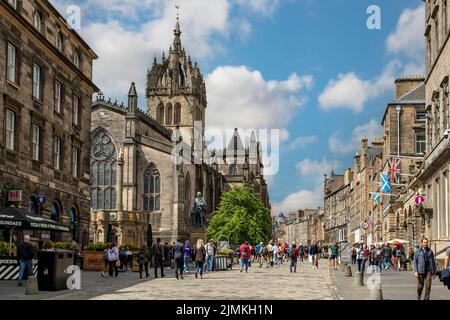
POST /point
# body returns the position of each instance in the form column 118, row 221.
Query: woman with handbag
column 200, row 256
column 113, row 260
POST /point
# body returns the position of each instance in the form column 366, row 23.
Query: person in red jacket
column 245, row 256
column 294, row 257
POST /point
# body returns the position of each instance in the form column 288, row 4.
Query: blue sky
column 309, row 68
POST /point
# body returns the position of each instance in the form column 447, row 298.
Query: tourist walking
column 301, row 253
column 25, row 254
column 158, row 257
column 143, row 258
column 280, row 254
column 113, row 260
column 187, row 255
column 210, row 251
column 270, row 253
column 354, row 254
column 387, row 257
column 105, row 260
column 360, row 259
column 294, row 258
column 129, row 258
column 333, row 251
column 245, row 256
column 424, row 269
column 178, row 257
column 315, row 255
column 200, row 256
column 447, row 258
column 378, row 257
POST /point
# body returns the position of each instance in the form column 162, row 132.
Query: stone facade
column 303, row 227
column 45, row 107
column 159, row 158
column 432, row 180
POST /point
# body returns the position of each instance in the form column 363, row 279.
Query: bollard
column 32, row 286
column 359, row 279
column 376, row 293
column 348, row 271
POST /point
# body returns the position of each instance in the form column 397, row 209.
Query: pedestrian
column 167, row 255
column 333, row 251
column 378, row 257
column 269, row 248
column 200, row 255
column 371, row 255
column 446, row 262
column 294, row 257
column 129, row 258
column 314, row 255
column 245, row 256
column 360, row 258
column 178, row 257
column 158, row 253
column 280, row 254
column 387, row 256
column 25, row 254
column 424, row 269
column 258, row 252
column 123, row 259
column 113, row 260
column 105, row 260
column 187, row 255
column 354, row 254
column 210, row 250
column 142, row 260
column 301, row 253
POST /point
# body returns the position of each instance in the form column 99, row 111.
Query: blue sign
column 41, row 199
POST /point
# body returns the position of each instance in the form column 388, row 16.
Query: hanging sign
column 419, row 200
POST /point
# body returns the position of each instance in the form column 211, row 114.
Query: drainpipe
column 399, row 109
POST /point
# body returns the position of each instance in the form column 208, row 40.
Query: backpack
column 292, row 253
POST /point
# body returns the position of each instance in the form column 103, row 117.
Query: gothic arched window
column 103, row 172
column 152, row 189
column 232, row 171
column 169, row 114
column 177, row 116
column 160, row 113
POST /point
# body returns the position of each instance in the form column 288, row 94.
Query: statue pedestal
column 197, row 233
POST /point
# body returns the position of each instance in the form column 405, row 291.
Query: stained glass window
column 152, row 189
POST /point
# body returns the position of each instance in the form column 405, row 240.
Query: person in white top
column 113, row 260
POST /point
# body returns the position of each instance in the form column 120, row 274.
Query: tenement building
column 148, row 167
column 404, row 148
column 433, row 179
column 337, row 200
column 45, row 110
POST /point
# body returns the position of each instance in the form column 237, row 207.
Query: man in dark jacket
column 424, row 269
column 158, row 257
column 178, row 256
column 25, row 253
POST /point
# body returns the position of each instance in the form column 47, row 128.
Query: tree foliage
column 241, row 217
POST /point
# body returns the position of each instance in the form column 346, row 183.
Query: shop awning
column 18, row 218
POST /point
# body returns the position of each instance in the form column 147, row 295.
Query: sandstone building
column 45, row 110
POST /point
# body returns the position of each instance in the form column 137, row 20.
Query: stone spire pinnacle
column 177, row 32
column 132, row 98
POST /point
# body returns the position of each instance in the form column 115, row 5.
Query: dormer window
column 59, row 42
column 37, row 21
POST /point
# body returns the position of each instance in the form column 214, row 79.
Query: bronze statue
column 199, row 211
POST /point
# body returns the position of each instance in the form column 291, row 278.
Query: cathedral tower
column 176, row 94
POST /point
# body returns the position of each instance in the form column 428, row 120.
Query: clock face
column 365, row 226
column 113, row 216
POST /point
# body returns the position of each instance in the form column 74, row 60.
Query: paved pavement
column 260, row 283
column 396, row 285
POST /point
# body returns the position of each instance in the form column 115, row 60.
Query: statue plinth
column 197, row 233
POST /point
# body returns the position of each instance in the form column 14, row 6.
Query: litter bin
column 51, row 269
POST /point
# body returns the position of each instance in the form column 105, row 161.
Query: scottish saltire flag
column 376, row 197
column 394, row 170
column 385, row 184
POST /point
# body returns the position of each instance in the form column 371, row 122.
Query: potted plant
column 93, row 256
column 229, row 254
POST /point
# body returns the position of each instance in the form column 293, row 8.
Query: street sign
column 346, row 252
column 15, row 196
column 365, row 225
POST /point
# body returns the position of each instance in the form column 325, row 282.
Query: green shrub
column 63, row 245
column 130, row 246
column 4, row 248
column 96, row 247
column 226, row 253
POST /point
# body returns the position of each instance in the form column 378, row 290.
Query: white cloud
column 301, row 199
column 241, row 98
column 408, row 35
column 348, row 91
column 263, row 7
column 302, row 142
column 370, row 130
column 313, row 168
